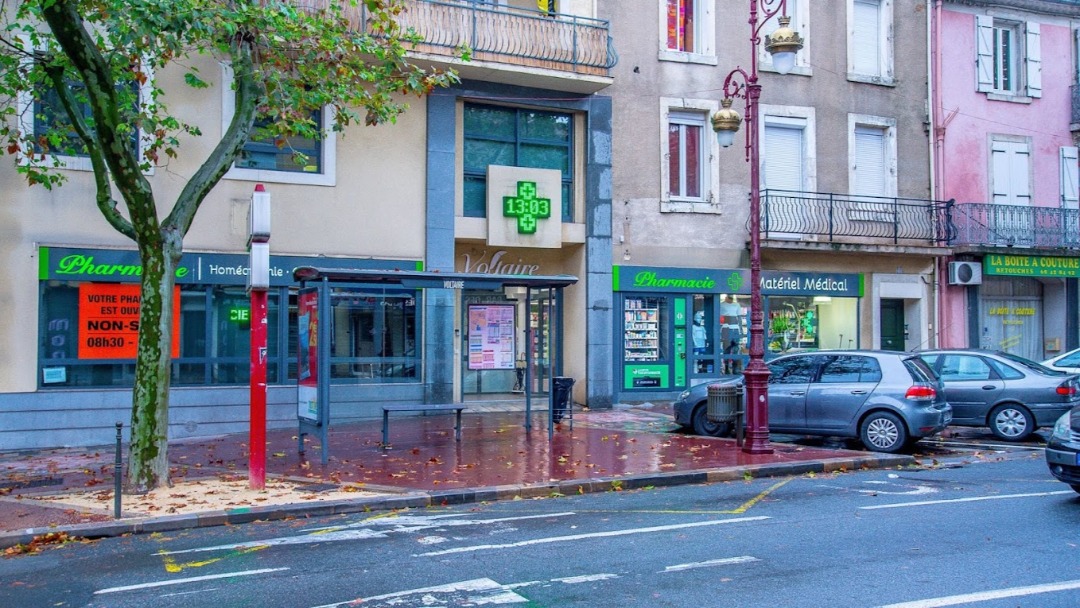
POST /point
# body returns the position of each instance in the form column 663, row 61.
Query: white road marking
column 984, row 596
column 406, row 523
column 584, row 578
column 917, row 491
column 180, row 581
column 973, row 499
column 572, row 537
column 727, row 561
column 477, row 591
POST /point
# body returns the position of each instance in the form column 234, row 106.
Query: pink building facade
column 1004, row 118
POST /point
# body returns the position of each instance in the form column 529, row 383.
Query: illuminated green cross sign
column 526, row 207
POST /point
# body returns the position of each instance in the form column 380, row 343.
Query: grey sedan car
column 1063, row 449
column 888, row 400
column 1012, row 395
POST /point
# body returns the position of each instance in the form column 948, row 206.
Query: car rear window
column 919, row 370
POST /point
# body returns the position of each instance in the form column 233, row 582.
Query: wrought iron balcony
column 502, row 35
column 989, row 225
column 835, row 218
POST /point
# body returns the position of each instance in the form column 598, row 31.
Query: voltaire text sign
column 1031, row 266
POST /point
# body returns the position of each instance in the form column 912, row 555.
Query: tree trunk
column 148, row 461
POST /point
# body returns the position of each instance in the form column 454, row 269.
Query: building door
column 892, row 324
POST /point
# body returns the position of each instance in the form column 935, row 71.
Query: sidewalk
column 70, row 490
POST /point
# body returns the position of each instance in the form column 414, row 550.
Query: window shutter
column 870, row 162
column 866, row 37
column 1070, row 172
column 1010, row 161
column 1033, row 60
column 783, row 158
column 984, row 40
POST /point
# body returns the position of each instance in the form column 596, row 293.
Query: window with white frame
column 1070, row 172
column 872, row 149
column 799, row 11
column 784, row 153
column 1010, row 165
column 687, row 31
column 278, row 160
column 40, row 112
column 870, row 42
column 871, row 167
column 686, row 155
column 1008, row 57
column 688, row 169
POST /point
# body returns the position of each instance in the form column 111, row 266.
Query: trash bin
column 563, row 386
column 723, row 402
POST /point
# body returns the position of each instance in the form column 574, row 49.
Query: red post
column 257, row 432
column 258, row 285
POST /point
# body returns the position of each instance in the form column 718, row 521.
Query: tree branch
column 68, row 27
column 104, row 199
column 246, row 91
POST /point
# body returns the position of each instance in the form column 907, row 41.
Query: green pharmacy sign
column 527, row 207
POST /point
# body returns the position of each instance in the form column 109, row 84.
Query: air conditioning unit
column 965, row 273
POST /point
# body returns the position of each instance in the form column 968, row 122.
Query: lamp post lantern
column 782, row 44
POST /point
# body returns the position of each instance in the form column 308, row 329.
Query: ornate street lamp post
column 782, row 44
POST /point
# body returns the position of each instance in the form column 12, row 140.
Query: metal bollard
column 117, row 471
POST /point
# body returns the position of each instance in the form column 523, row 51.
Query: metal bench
column 420, row 407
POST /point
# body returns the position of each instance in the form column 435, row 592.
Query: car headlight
column 1061, row 427
column 683, row 396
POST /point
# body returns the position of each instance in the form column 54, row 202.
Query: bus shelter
column 314, row 337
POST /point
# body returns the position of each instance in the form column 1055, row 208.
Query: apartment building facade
column 528, row 121
column 850, row 234
column 1006, row 117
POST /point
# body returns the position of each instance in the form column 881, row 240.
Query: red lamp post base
column 757, row 408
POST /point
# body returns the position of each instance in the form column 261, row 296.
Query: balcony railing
column 1014, row 226
column 816, row 216
column 501, row 34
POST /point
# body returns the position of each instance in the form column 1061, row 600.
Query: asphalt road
column 975, row 526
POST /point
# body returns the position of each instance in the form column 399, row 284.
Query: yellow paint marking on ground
column 172, row 567
column 743, row 508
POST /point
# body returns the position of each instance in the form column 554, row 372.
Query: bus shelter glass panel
column 373, row 335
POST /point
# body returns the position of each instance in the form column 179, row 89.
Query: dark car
column 1063, row 449
column 1012, row 395
column 888, row 400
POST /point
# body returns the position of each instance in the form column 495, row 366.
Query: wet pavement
column 622, row 448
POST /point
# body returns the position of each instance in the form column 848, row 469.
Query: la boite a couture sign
column 109, row 321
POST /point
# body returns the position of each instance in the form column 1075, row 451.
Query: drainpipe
column 937, row 136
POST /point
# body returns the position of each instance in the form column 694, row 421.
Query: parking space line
column 983, row 596
column 923, row 503
column 573, row 537
column 193, row 579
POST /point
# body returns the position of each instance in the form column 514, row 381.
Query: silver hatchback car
column 888, row 400
column 1012, row 395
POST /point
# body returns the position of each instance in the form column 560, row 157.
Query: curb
column 420, row 499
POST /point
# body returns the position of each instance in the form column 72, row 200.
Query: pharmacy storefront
column 679, row 326
column 89, row 312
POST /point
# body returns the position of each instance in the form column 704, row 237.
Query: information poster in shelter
column 109, row 321
column 307, row 351
column 491, row 337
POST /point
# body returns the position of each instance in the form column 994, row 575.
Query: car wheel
column 1011, row 422
column 883, row 432
column 704, row 426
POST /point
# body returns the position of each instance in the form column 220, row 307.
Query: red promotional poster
column 109, row 321
column 307, row 349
